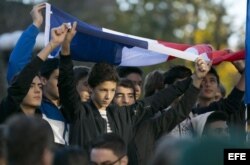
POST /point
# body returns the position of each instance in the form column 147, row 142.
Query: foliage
column 181, row 21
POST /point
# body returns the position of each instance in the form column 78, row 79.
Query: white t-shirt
column 104, row 115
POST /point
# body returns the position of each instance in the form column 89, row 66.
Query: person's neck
column 55, row 101
column 204, row 102
column 28, row 110
column 98, row 107
column 102, row 110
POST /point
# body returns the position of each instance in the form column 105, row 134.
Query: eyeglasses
column 107, row 163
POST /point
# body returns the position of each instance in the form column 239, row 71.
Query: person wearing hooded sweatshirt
column 211, row 125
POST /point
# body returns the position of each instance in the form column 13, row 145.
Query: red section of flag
column 217, row 56
column 227, row 55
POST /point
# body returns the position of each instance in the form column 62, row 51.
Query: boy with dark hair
column 231, row 105
column 50, row 106
column 135, row 75
column 124, row 93
column 29, row 141
column 102, row 72
column 216, row 125
column 49, row 76
column 94, row 118
column 211, row 125
column 210, row 85
column 109, row 149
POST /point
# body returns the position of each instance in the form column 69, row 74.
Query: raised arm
column 232, row 103
column 162, row 99
column 176, row 114
column 69, row 97
column 240, row 66
column 21, row 85
column 22, row 53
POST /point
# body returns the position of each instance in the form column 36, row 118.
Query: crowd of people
column 56, row 113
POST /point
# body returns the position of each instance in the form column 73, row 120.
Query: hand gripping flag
column 94, row 44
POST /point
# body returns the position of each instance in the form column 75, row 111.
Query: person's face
column 83, row 89
column 103, row 94
column 104, row 156
column 209, row 87
column 34, row 95
column 124, row 96
column 218, row 129
column 137, row 80
column 50, row 86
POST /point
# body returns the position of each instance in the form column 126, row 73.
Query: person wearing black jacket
column 99, row 116
column 149, row 131
column 25, row 92
column 232, row 106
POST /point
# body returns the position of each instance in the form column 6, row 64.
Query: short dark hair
column 80, row 72
column 126, row 83
column 101, row 72
column 112, row 142
column 123, row 71
column 215, row 116
column 27, row 137
column 214, row 72
column 154, row 81
column 176, row 72
column 48, row 67
column 71, row 155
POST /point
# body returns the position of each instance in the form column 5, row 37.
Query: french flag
column 94, row 44
column 247, row 45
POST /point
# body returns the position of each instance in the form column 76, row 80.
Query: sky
column 237, row 9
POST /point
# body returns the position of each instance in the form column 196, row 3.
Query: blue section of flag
column 91, row 44
column 247, row 45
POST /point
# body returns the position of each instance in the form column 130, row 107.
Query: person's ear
column 124, row 160
column 91, row 89
column 43, row 80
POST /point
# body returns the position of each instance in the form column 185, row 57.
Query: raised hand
column 239, row 65
column 66, row 43
column 36, row 14
column 58, row 35
column 201, row 70
column 71, row 33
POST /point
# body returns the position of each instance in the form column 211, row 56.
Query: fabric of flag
column 94, row 44
column 247, row 46
column 219, row 56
